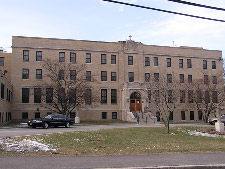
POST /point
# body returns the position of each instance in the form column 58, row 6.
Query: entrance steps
column 141, row 117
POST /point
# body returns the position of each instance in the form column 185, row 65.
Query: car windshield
column 48, row 116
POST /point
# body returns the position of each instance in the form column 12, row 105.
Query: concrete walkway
column 168, row 161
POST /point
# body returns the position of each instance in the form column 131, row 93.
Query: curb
column 211, row 166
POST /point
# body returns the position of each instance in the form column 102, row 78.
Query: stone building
column 5, row 63
column 6, row 87
column 122, row 70
column 6, row 94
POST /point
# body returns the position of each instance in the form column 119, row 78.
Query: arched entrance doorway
column 135, row 102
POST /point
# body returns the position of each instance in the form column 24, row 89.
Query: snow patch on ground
column 26, row 145
column 197, row 133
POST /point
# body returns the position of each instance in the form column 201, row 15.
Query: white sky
column 103, row 21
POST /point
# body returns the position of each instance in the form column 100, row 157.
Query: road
column 27, row 131
column 207, row 160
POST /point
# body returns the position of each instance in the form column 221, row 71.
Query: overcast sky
column 96, row 20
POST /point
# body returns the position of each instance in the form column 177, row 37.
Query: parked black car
column 52, row 120
column 212, row 121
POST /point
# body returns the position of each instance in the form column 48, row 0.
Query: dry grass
column 132, row 141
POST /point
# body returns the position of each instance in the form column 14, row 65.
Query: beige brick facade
column 122, row 50
column 5, row 64
column 6, row 97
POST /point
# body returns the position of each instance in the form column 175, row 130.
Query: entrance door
column 135, row 102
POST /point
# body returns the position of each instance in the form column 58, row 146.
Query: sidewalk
column 165, row 161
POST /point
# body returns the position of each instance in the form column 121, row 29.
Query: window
column 39, row 56
column 88, row 58
column 206, row 79
column 49, row 95
column 171, row 116
column 113, row 76
column 72, row 96
column 200, row 115
column 131, row 76
column 61, row 74
column 156, row 77
column 214, row 79
column 214, row 97
column 189, row 78
column 88, row 75
column 199, row 96
column 37, row 95
column 103, row 58
column 113, row 59
column 88, row 96
column 25, row 74
column 156, row 63
column 38, row 73
column 189, row 65
column 190, row 96
column 192, row 115
column 1, row 61
column 170, row 96
column 61, row 56
column 72, row 74
column 114, row 115
column 158, row 116
column 130, row 60
column 181, row 63
column 104, row 96
column 169, row 78
column 72, row 115
column 113, row 96
column 181, row 78
column 72, row 57
column 103, row 75
column 25, row 55
column 204, row 64
column 168, row 62
column 24, row 115
column 147, row 61
column 61, row 95
column 7, row 94
column 182, row 96
column 2, row 90
column 156, row 96
column 149, row 95
column 182, row 115
column 104, row 115
column 213, row 64
column 25, row 95
column 207, row 97
column 37, row 115
column 147, row 77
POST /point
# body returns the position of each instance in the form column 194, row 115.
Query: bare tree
column 208, row 94
column 67, row 87
column 167, row 95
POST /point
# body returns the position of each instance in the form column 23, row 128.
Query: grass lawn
column 131, row 141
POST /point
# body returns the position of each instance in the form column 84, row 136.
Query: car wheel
column 67, row 125
column 45, row 125
column 33, row 127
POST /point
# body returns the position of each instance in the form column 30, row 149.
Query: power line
column 166, row 11
column 198, row 5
